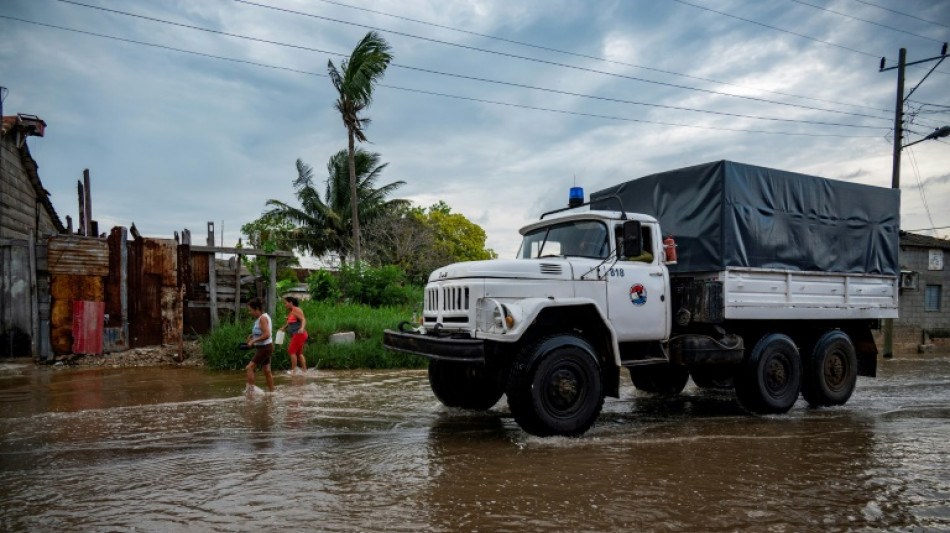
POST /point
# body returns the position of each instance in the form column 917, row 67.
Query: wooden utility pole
column 898, row 146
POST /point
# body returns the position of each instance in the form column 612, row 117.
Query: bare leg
column 293, row 362
column 303, row 361
column 269, row 377
column 250, row 373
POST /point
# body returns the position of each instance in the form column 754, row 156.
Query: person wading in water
column 297, row 328
column 261, row 340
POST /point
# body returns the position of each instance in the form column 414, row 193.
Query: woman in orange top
column 297, row 328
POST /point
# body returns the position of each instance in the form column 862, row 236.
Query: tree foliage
column 455, row 235
column 354, row 85
column 322, row 225
column 419, row 240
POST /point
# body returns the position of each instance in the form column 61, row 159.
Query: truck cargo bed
column 775, row 294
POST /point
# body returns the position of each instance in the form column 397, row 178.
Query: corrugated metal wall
column 78, row 267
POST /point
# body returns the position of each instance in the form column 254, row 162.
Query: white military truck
column 774, row 288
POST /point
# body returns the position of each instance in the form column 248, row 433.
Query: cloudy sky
column 496, row 107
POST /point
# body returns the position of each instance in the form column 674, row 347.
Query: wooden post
column 81, row 229
column 124, row 284
column 210, row 233
column 34, row 299
column 88, row 203
column 272, row 286
column 181, row 323
column 237, row 286
column 212, row 291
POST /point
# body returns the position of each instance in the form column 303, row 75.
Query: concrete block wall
column 914, row 318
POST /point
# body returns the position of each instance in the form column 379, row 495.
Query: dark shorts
column 263, row 354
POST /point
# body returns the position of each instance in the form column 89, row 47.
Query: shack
column 27, row 219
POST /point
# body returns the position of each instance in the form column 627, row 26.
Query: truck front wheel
column 556, row 388
column 831, row 370
column 771, row 376
column 465, row 385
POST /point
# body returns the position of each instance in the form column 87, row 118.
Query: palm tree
column 361, row 71
column 323, row 225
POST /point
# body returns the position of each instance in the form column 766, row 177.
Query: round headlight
column 498, row 317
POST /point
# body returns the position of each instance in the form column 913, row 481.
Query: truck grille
column 440, row 299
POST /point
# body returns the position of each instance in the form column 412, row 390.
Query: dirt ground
column 166, row 354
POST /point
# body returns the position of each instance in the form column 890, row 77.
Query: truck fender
column 531, row 309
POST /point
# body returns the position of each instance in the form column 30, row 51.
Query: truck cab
column 593, row 285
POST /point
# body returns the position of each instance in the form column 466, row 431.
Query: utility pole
column 898, row 118
column 902, row 65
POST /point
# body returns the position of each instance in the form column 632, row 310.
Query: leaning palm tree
column 322, row 225
column 365, row 66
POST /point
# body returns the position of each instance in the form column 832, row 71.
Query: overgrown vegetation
column 385, row 286
column 221, row 351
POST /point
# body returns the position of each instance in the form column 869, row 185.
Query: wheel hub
column 563, row 391
column 777, row 375
column 834, row 371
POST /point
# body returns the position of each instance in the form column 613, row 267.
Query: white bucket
column 279, row 339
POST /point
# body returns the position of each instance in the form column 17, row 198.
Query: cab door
column 637, row 299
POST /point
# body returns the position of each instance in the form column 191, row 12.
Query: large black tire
column 770, row 377
column 664, row 379
column 465, row 385
column 831, row 370
column 713, row 377
column 556, row 387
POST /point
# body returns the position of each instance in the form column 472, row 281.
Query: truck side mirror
column 632, row 245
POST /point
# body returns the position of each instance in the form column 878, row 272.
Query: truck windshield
column 582, row 238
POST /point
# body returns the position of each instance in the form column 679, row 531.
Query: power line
column 551, row 63
column 595, row 58
column 432, row 93
column 920, row 185
column 776, row 28
column 802, row 2
column 480, row 79
column 783, row 30
column 901, row 13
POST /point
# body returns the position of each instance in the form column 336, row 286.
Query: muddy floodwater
column 184, row 449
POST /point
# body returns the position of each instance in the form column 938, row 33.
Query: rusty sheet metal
column 64, row 290
column 87, row 327
column 153, row 268
column 197, row 319
column 160, row 256
column 82, row 256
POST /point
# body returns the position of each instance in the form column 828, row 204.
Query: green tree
column 354, row 85
column 420, row 240
column 270, row 234
column 456, row 236
column 322, row 225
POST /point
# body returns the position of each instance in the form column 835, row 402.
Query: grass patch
column 323, row 319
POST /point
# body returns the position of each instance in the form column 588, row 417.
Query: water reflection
column 186, row 449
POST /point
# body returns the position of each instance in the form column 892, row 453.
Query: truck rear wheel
column 770, row 377
column 665, row 379
column 465, row 385
column 831, row 370
column 556, row 388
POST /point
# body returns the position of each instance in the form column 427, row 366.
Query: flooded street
column 183, row 449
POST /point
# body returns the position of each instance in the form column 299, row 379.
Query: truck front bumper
column 441, row 348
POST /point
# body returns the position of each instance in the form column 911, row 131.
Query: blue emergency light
column 576, row 197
